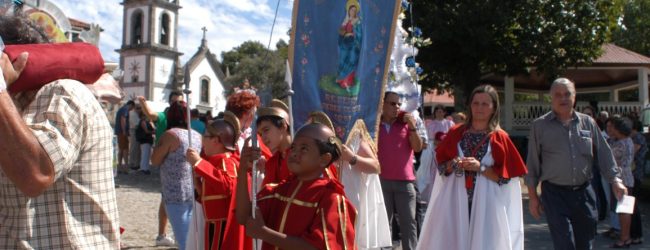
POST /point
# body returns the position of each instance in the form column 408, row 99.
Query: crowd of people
column 314, row 191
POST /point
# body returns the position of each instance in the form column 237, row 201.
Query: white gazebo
column 616, row 70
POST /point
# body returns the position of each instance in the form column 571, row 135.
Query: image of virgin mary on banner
column 339, row 59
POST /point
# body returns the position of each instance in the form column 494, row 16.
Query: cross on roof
column 204, row 29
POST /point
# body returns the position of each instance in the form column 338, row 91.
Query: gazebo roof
column 616, row 65
column 617, row 56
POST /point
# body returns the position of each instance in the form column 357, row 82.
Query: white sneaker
column 163, row 240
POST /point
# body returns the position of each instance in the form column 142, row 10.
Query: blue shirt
column 198, row 125
column 122, row 112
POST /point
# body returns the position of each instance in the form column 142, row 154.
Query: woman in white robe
column 476, row 201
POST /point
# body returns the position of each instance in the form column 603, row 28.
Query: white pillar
column 509, row 92
column 643, row 87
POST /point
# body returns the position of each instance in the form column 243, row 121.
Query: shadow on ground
column 137, row 180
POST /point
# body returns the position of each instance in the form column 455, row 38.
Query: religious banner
column 339, row 58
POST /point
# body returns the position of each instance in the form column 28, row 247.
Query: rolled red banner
column 53, row 61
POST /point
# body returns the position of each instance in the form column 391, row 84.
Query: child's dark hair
column 331, row 147
column 620, row 125
column 275, row 120
column 324, row 138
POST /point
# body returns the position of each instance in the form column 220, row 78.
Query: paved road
column 537, row 236
column 138, row 198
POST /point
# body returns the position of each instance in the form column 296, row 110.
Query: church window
column 136, row 27
column 164, row 29
column 205, row 91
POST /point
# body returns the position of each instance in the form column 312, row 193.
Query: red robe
column 507, row 161
column 278, row 171
column 316, row 211
column 219, row 181
column 276, row 168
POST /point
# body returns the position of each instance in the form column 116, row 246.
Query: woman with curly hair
column 244, row 104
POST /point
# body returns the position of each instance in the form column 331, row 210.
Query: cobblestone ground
column 138, row 198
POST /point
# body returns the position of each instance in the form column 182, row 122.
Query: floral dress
column 176, row 172
column 469, row 143
column 623, row 151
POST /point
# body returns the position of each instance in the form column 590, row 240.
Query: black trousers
column 601, row 200
column 571, row 215
column 636, row 228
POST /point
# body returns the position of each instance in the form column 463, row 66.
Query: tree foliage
column 263, row 68
column 634, row 30
column 471, row 38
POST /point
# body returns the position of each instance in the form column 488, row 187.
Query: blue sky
column 229, row 23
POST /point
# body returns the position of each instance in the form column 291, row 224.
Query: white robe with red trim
column 496, row 221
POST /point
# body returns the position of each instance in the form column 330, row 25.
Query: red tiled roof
column 79, row 24
column 613, row 54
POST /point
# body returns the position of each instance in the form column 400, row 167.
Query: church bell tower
column 149, row 54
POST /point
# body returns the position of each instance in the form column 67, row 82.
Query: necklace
column 473, row 130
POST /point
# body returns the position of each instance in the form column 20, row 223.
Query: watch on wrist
column 353, row 161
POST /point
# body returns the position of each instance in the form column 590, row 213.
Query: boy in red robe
column 215, row 181
column 308, row 210
column 274, row 129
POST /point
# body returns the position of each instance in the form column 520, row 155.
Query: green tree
column 230, row 59
column 634, row 30
column 263, row 68
column 471, row 38
column 282, row 48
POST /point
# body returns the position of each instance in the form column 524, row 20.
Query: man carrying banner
column 56, row 183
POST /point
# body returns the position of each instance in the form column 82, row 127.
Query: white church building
column 149, row 58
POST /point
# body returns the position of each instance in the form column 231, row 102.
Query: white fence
column 525, row 112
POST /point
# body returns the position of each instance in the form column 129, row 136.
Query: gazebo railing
column 619, row 108
column 524, row 113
